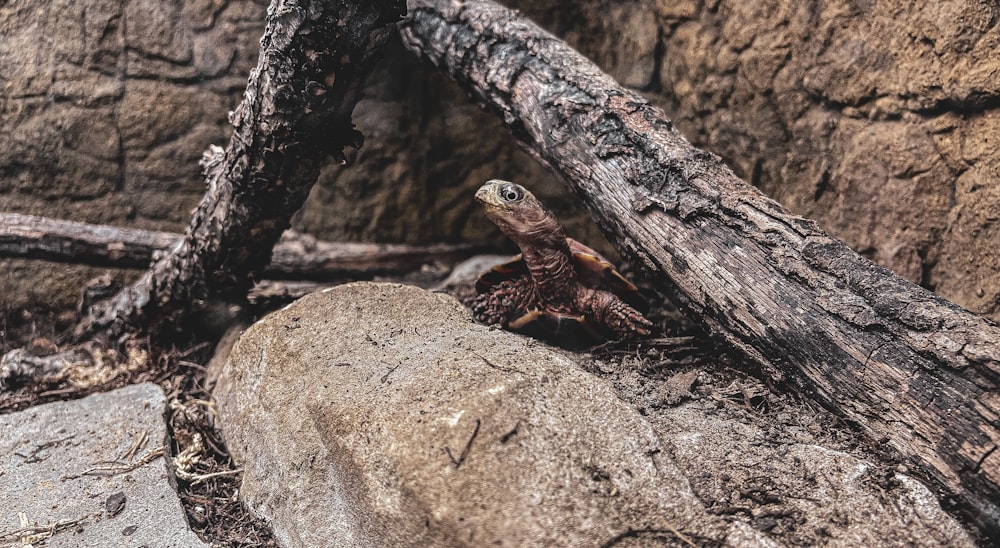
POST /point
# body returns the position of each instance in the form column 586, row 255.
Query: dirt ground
column 641, row 370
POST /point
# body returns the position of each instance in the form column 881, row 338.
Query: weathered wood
column 34, row 237
column 302, row 257
column 296, row 256
column 907, row 366
column 296, row 112
column 19, row 365
column 267, row 292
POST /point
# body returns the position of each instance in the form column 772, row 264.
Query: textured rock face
column 876, row 119
column 380, row 415
column 106, row 108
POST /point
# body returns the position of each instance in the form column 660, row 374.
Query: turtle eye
column 511, row 193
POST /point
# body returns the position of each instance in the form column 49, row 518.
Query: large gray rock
column 58, row 465
column 380, row 415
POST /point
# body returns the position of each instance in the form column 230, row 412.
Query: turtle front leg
column 503, row 302
column 614, row 315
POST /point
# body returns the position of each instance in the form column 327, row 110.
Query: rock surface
column 874, row 119
column 107, row 106
column 58, row 465
column 877, row 119
column 381, row 415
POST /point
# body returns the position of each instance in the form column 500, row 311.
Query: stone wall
column 106, row 107
column 875, row 119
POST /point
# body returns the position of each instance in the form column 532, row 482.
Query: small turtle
column 557, row 288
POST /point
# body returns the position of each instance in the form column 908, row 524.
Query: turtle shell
column 592, row 270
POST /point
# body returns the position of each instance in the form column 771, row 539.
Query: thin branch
column 32, row 237
column 296, row 256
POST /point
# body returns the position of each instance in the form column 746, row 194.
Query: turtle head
column 518, row 213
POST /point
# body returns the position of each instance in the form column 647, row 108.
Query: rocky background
column 106, row 107
column 878, row 120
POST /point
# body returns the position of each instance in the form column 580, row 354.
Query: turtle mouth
column 486, row 196
column 495, row 208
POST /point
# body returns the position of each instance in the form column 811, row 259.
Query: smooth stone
column 55, row 467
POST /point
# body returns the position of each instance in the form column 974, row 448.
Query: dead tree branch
column 302, row 257
column 296, row 112
column 296, row 256
column 33, row 237
column 904, row 364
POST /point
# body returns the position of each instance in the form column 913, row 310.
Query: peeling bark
column 295, row 113
column 902, row 363
column 295, row 256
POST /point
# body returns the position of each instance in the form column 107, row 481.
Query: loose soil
column 681, row 364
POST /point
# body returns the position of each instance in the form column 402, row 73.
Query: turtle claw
column 628, row 322
column 617, row 317
column 637, row 324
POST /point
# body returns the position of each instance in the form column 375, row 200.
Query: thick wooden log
column 905, row 365
column 296, row 256
column 296, row 112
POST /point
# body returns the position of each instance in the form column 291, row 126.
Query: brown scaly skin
column 551, row 287
column 498, row 306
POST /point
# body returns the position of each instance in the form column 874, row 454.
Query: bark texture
column 906, row 365
column 36, row 237
column 296, row 112
column 302, row 257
